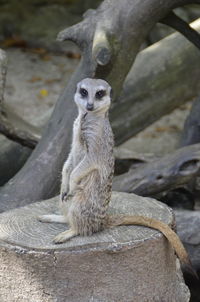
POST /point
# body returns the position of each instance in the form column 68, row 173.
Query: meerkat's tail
column 117, row 220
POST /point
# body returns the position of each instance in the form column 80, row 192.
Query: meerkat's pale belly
column 78, row 149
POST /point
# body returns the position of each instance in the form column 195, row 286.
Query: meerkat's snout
column 89, row 106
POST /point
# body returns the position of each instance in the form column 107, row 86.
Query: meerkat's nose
column 89, row 106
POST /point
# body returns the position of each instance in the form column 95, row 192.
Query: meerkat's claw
column 64, row 236
column 64, row 196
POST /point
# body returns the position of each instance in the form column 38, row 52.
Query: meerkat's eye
column 83, row 92
column 100, row 94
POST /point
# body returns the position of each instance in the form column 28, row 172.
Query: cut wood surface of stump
column 123, row 264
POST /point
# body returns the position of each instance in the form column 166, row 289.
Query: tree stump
column 123, row 264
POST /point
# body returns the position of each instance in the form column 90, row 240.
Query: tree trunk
column 121, row 264
column 110, row 38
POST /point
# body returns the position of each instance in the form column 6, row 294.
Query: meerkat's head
column 93, row 95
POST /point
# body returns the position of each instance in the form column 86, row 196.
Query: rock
column 123, row 264
column 188, row 226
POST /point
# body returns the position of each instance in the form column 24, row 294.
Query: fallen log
column 17, row 129
column 105, row 42
column 126, row 159
column 131, row 263
column 151, row 89
column 163, row 174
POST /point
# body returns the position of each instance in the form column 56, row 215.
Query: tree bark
column 125, row 264
column 126, row 159
column 166, row 173
column 110, row 38
column 152, row 89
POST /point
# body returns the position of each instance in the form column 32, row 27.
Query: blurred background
column 39, row 66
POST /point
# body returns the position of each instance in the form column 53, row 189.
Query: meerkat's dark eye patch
column 83, row 92
column 100, row 94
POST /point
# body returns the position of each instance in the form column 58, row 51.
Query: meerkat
column 88, row 172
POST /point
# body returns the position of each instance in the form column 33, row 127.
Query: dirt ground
column 34, row 82
column 36, row 78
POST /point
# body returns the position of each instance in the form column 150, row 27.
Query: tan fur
column 88, row 172
column 154, row 224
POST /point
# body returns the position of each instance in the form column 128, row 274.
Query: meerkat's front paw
column 52, row 218
column 64, row 236
column 64, row 196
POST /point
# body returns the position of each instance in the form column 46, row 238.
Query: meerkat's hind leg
column 64, row 236
column 52, row 218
